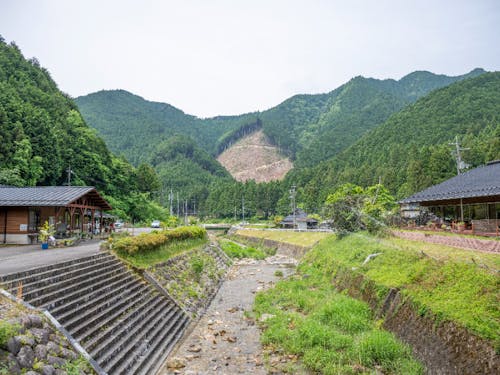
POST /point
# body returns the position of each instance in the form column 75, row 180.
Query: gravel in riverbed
column 225, row 341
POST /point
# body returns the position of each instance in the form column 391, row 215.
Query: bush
column 146, row 242
column 7, row 331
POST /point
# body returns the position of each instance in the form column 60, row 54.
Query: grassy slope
column 147, row 259
column 328, row 331
column 445, row 281
column 305, row 239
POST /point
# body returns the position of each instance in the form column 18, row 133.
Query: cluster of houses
column 471, row 199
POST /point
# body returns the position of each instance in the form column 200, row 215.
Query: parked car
column 155, row 224
column 118, row 224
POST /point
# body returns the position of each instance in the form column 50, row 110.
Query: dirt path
column 467, row 243
column 225, row 341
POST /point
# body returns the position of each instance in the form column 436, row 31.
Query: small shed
column 302, row 221
column 69, row 209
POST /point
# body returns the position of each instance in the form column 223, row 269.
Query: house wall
column 15, row 228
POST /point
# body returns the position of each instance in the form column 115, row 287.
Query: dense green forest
column 309, row 128
column 411, row 150
column 364, row 132
column 43, row 134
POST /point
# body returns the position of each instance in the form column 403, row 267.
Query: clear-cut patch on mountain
column 253, row 157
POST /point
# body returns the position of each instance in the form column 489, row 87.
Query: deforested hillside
column 253, row 157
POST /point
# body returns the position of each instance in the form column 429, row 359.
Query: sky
column 212, row 57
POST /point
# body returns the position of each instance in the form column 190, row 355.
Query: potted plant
column 461, row 226
column 46, row 231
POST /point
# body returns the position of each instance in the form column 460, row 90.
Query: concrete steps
column 124, row 323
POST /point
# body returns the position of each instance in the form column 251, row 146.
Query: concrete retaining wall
column 444, row 347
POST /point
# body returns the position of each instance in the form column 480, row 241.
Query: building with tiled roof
column 68, row 208
column 472, row 197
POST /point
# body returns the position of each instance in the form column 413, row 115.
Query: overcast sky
column 229, row 57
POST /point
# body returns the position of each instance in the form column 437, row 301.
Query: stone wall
column 443, row 347
column 193, row 278
column 289, row 250
column 38, row 348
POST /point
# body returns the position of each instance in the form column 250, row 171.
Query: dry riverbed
column 226, row 340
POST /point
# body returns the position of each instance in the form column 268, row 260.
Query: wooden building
column 70, row 209
column 472, row 197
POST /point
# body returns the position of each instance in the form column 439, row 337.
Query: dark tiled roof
column 46, row 195
column 479, row 182
column 300, row 215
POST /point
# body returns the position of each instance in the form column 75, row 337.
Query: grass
column 306, row 239
column 234, row 250
column 150, row 258
column 442, row 280
column 330, row 332
column 7, row 331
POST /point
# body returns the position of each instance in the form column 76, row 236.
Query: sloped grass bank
column 449, row 284
column 331, row 333
column 305, row 239
column 148, row 249
column 441, row 300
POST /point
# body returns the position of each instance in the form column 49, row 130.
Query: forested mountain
column 411, row 150
column 42, row 134
column 308, row 128
column 185, row 168
column 133, row 126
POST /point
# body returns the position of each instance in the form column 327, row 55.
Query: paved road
column 21, row 258
column 25, row 257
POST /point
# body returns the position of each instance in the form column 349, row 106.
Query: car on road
column 155, row 224
column 118, row 224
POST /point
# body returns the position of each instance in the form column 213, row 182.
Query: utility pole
column 243, row 208
column 293, row 193
column 185, row 212
column 178, row 213
column 458, row 157
column 171, row 202
column 69, row 171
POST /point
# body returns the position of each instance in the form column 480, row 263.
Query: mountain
column 185, row 168
column 43, row 132
column 133, row 126
column 307, row 128
column 411, row 150
column 43, row 135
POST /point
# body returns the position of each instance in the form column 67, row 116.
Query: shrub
column 146, row 242
column 7, row 331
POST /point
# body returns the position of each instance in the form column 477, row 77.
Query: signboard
column 23, row 227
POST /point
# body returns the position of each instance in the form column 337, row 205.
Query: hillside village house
column 302, row 221
column 70, row 209
column 472, row 197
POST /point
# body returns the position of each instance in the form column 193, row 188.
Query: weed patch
column 330, row 332
column 233, row 250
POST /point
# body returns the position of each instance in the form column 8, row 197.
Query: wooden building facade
column 471, row 198
column 69, row 209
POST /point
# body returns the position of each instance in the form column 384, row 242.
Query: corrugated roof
column 479, row 182
column 47, row 195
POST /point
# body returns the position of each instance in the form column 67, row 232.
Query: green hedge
column 145, row 242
